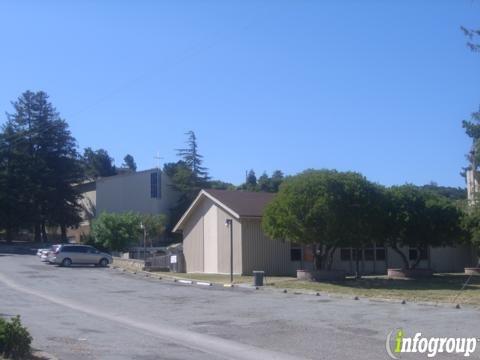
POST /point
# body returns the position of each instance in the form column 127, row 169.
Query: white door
column 210, row 241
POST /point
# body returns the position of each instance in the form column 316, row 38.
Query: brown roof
column 244, row 203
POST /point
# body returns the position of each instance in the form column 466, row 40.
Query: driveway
column 98, row 313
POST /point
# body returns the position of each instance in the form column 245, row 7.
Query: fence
column 172, row 262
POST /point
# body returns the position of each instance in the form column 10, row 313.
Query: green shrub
column 116, row 231
column 15, row 339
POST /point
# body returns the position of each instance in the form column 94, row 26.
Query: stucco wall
column 131, row 192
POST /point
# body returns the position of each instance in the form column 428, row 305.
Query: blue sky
column 378, row 87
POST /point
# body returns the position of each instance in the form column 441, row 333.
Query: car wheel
column 66, row 262
column 103, row 262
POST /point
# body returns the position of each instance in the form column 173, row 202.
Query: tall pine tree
column 39, row 152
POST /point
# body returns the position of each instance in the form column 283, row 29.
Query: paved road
column 95, row 313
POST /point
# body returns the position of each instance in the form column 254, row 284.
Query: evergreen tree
column 98, row 163
column 276, row 180
column 193, row 159
column 129, row 162
column 251, row 181
column 264, row 182
column 39, row 165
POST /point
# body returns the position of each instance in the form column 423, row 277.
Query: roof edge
column 195, row 202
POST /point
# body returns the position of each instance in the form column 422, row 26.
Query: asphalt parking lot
column 103, row 313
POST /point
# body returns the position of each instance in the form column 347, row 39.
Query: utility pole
column 229, row 223
column 144, row 241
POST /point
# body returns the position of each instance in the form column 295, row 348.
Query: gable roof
column 238, row 203
column 244, row 203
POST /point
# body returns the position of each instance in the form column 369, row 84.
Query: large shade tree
column 418, row 219
column 326, row 209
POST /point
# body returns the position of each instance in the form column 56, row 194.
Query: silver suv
column 66, row 255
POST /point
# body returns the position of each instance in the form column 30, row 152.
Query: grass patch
column 440, row 288
column 224, row 279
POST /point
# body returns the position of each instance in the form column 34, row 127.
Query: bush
column 15, row 339
column 116, row 231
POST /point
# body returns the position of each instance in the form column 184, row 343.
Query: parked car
column 39, row 252
column 68, row 254
column 43, row 253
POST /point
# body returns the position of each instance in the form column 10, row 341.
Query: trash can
column 258, row 278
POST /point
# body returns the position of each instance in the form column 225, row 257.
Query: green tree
column 98, row 163
column 471, row 226
column 193, row 159
column 220, row 185
column 188, row 177
column 250, row 181
column 419, row 219
column 116, row 231
column 154, row 225
column 129, row 162
column 264, row 183
column 40, row 153
column 325, row 209
column 276, row 180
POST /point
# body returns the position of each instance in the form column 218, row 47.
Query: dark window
column 295, row 254
column 345, row 254
column 154, row 185
column 413, row 253
column 369, row 255
column 66, row 249
column 380, row 254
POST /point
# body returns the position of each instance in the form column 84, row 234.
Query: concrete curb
column 291, row 291
column 43, row 355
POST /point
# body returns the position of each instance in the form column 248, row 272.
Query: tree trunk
column 63, row 230
column 38, row 236
column 317, row 257
column 44, row 233
column 330, row 258
column 418, row 249
column 402, row 256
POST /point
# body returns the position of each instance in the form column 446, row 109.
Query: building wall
column 210, row 241
column 262, row 253
column 224, row 244
column 441, row 259
column 132, row 192
column 452, row 259
column 193, row 235
column 206, row 240
column 88, row 203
